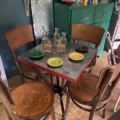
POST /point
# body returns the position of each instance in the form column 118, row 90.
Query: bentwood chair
column 16, row 38
column 30, row 101
column 94, row 91
column 113, row 58
column 87, row 33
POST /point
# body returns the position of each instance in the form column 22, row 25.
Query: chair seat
column 85, row 88
column 32, row 99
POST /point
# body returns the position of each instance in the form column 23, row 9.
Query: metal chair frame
column 112, row 59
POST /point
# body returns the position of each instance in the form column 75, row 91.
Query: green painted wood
column 103, row 13
column 98, row 15
column 61, row 17
column 104, row 25
column 83, row 15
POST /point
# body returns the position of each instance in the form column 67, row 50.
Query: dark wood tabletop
column 70, row 71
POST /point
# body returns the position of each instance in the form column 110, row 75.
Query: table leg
column 58, row 81
column 62, row 108
column 57, row 89
column 41, row 75
column 60, row 91
column 65, row 86
column 61, row 101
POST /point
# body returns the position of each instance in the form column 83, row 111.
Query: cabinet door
column 104, row 25
column 103, row 13
column 83, row 15
column 61, row 17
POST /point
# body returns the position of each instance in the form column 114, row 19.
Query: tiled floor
column 74, row 112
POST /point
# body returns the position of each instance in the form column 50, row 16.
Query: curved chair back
column 19, row 36
column 16, row 38
column 87, row 33
column 109, row 76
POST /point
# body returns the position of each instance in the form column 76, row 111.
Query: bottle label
column 46, row 47
column 61, row 47
column 56, row 41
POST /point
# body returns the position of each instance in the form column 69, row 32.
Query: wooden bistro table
column 70, row 71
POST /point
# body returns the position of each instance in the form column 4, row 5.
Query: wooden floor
column 74, row 112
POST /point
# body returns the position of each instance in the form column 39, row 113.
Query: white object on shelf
column 3, row 72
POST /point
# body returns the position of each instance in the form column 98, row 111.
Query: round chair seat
column 32, row 99
column 84, row 87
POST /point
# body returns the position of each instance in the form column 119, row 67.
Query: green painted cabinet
column 105, row 25
column 98, row 15
column 103, row 13
column 83, row 15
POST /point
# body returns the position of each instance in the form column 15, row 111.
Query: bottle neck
column 56, row 30
column 63, row 35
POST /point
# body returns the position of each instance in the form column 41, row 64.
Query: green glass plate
column 54, row 62
column 35, row 54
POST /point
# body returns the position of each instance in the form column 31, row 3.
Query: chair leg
column 67, row 102
column 91, row 115
column 22, row 78
column 11, row 115
column 92, row 111
column 51, row 79
column 63, row 81
column 8, row 114
column 104, row 112
column 38, row 78
column 52, row 114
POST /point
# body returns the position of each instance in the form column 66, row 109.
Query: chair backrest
column 109, row 76
column 19, row 36
column 87, row 33
column 7, row 100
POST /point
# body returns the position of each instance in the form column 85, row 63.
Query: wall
column 12, row 14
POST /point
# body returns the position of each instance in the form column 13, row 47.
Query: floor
column 75, row 113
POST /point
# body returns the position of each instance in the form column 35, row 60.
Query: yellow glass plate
column 54, row 62
column 76, row 56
